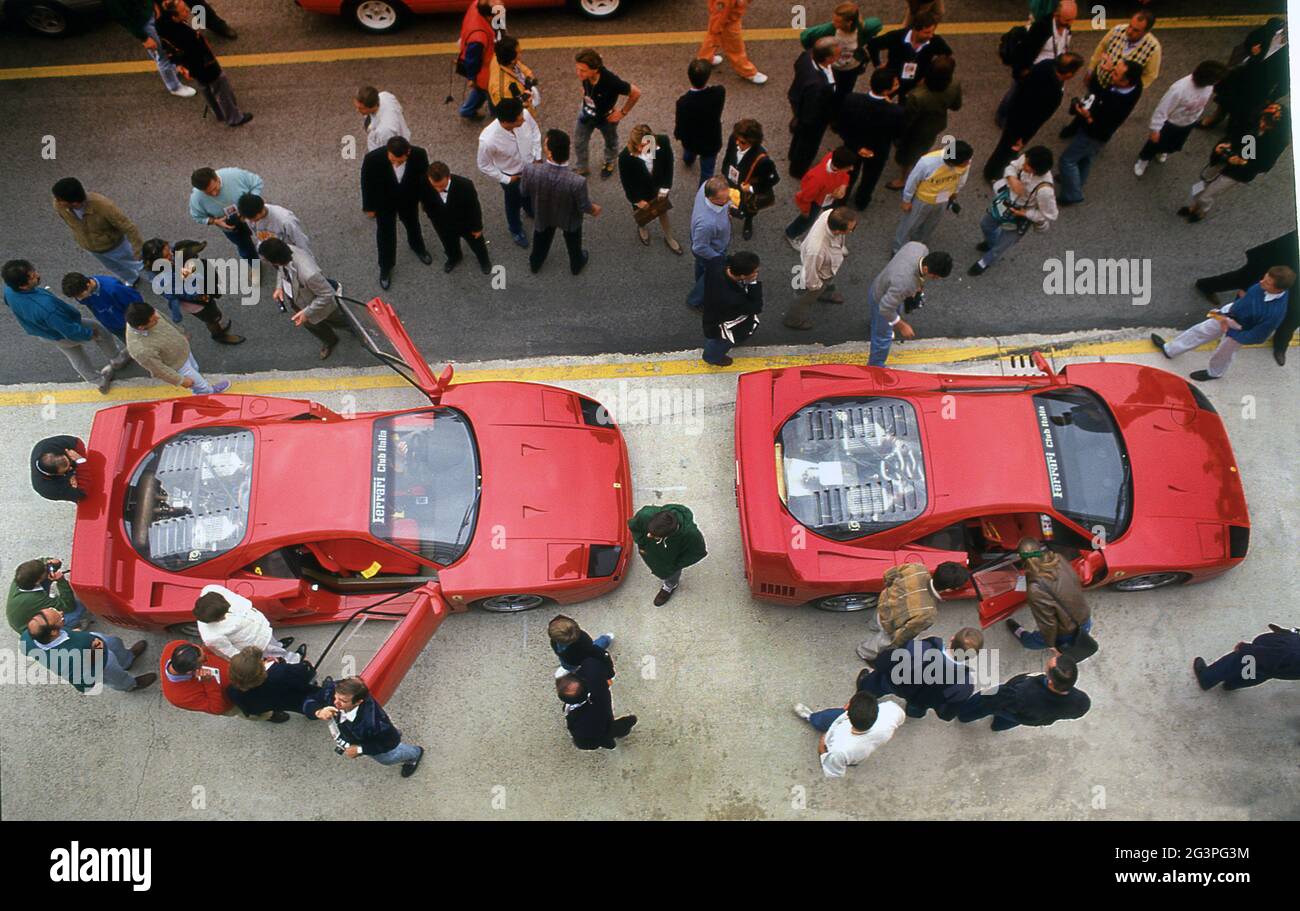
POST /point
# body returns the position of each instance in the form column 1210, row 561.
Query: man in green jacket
column 668, row 541
column 39, row 584
column 88, row 661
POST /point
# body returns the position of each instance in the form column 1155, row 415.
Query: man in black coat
column 589, row 708
column 927, row 676
column 1109, row 108
column 1036, row 700
column 698, row 124
column 869, row 123
column 910, row 51
column 1034, row 100
column 54, row 468
column 733, row 298
column 1274, row 655
column 360, row 725
column 1280, row 251
column 811, row 97
column 393, row 181
column 451, row 202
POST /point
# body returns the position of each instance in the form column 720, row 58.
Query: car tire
column 1150, row 582
column 378, row 17
column 44, row 17
column 597, row 9
column 843, row 604
column 511, row 603
column 188, row 630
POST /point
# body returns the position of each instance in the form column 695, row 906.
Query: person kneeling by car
column 1055, row 598
column 360, row 725
column 908, row 604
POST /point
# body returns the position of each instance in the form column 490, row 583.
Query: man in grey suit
column 310, row 295
column 899, row 289
column 559, row 201
column 267, row 221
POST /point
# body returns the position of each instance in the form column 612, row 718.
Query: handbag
column 658, row 206
column 751, row 201
column 1000, row 208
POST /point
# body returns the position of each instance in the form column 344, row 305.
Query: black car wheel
column 597, row 9
column 379, row 17
column 1149, row 582
column 46, row 18
column 188, row 630
column 855, row 601
column 510, row 604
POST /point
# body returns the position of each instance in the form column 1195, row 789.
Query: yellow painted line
column 902, row 355
column 559, row 42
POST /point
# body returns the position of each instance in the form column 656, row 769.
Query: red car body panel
column 552, row 486
column 985, row 468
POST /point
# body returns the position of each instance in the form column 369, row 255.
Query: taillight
column 602, row 560
column 595, row 414
column 1238, row 541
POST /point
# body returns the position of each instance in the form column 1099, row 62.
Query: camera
column 1085, row 102
column 954, row 207
column 915, row 302
column 53, row 566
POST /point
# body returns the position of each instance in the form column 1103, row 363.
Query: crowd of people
column 878, row 95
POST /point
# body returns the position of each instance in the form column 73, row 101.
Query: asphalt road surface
column 124, row 136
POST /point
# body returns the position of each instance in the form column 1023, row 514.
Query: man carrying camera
column 39, row 584
column 1241, row 161
column 899, row 289
column 360, row 725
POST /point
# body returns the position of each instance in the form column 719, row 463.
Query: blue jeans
column 882, row 334
column 823, row 720
column 242, row 238
column 1000, row 239
column 1034, row 639
column 117, row 659
column 802, row 223
column 166, row 68
column 473, row 101
column 515, row 201
column 708, row 164
column 696, row 297
column 403, row 752
column 1076, row 162
column 121, row 262
column 582, row 139
column 715, row 349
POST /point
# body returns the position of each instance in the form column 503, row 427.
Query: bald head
column 1066, row 12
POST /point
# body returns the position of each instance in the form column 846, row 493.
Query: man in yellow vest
column 932, row 186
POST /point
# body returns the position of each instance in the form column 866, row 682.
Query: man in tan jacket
column 908, row 604
column 1055, row 598
column 162, row 349
column 100, row 228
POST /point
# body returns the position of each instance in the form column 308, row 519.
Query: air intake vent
column 778, row 591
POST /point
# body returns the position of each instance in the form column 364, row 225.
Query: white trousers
column 1206, row 331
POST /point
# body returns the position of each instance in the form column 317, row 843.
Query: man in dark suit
column 451, row 202
column 1280, row 251
column 927, row 676
column 811, row 97
column 393, row 179
column 869, row 123
column 54, row 468
column 698, row 124
column 1036, row 700
column 360, row 726
column 559, row 201
column 1274, row 655
column 589, row 709
column 1034, row 100
column 909, row 51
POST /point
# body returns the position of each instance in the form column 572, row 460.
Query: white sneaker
column 717, row 60
column 185, row 91
column 758, row 78
column 794, row 244
column 1140, row 167
column 802, row 711
column 1162, row 157
column 560, row 672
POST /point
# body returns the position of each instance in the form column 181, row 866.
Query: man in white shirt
column 1177, row 113
column 267, row 221
column 851, row 734
column 228, row 623
column 383, row 117
column 504, row 147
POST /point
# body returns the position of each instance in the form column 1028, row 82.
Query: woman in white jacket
column 228, row 623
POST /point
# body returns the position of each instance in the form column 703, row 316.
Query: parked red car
column 380, row 16
column 844, row 471
column 501, row 495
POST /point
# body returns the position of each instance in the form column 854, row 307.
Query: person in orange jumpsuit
column 724, row 34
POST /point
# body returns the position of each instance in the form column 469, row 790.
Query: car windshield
column 1087, row 465
column 852, row 467
column 187, row 502
column 424, row 483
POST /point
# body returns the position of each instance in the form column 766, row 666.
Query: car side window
column 278, row 564
column 951, row 538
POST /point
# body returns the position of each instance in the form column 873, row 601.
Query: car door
column 385, row 670
column 381, row 332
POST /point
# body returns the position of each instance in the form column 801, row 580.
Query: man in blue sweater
column 105, row 297
column 360, row 724
column 710, row 231
column 44, row 316
column 1249, row 320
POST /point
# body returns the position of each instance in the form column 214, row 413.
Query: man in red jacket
column 822, row 186
column 193, row 678
column 474, row 62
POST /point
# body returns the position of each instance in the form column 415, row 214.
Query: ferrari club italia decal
column 1049, row 453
